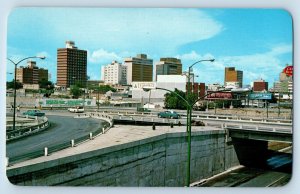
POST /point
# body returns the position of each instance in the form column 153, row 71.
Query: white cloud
column 281, row 49
column 103, row 56
column 267, row 61
column 138, row 30
column 193, row 56
column 43, row 53
column 266, row 65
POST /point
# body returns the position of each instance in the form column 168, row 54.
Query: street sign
column 288, row 70
column 260, row 96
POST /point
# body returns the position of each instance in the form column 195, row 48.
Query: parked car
column 77, row 109
column 169, row 114
column 34, row 113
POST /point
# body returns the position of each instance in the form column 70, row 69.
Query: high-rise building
column 285, row 84
column 71, row 65
column 43, row 74
column 31, row 74
column 260, row 85
column 139, row 68
column 232, row 75
column 169, row 66
column 114, row 73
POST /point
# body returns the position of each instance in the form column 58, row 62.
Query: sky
column 258, row 42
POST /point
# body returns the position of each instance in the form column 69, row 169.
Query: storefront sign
column 141, row 85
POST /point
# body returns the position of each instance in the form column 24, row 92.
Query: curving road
column 64, row 128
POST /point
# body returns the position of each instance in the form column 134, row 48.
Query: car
column 169, row 114
column 34, row 113
column 77, row 109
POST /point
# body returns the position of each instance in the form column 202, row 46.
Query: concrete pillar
column 36, row 118
column 103, row 130
column 91, row 136
column 72, row 143
column 46, row 151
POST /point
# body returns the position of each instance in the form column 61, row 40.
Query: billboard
column 260, row 96
column 219, row 95
column 140, row 85
column 288, row 70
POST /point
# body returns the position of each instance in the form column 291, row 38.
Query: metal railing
column 22, row 132
column 68, row 143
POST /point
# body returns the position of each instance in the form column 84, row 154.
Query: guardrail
column 23, row 132
column 258, row 128
column 208, row 120
column 148, row 120
column 202, row 115
column 68, row 143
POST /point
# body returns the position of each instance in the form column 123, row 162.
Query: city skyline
column 255, row 41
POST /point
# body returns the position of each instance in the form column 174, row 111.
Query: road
column 277, row 172
column 64, row 128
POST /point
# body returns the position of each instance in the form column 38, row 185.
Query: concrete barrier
column 155, row 161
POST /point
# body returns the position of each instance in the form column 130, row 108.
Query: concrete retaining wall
column 156, row 161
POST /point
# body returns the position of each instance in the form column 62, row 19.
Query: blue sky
column 256, row 41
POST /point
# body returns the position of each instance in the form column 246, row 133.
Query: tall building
column 31, row 74
column 43, row 74
column 169, row 66
column 232, row 75
column 197, row 88
column 285, row 84
column 114, row 73
column 139, row 68
column 71, row 65
column 260, row 85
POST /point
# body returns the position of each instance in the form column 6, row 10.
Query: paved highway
column 64, row 128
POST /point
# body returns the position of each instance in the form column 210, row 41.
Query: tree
column 102, row 89
column 48, row 85
column 75, row 91
column 10, row 85
column 172, row 101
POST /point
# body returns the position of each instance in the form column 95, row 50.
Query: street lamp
column 15, row 83
column 190, row 68
column 188, row 124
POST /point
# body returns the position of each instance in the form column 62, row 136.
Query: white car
column 77, row 109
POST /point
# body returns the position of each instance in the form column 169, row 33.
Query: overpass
column 260, row 133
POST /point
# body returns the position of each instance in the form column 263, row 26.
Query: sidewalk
column 119, row 134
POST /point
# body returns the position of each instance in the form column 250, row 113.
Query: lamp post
column 188, row 124
column 15, row 84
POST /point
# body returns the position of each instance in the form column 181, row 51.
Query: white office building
column 157, row 96
column 114, row 73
